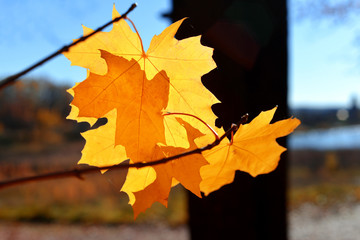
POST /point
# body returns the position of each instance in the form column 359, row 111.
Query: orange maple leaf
column 253, row 149
column 138, row 101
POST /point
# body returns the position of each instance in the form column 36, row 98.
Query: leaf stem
column 202, row 121
column 142, row 46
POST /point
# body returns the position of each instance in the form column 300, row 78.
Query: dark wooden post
column 250, row 42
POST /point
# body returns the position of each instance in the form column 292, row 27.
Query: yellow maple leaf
column 146, row 185
column 253, row 150
column 100, row 149
column 183, row 61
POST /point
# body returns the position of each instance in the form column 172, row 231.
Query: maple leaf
column 253, row 149
column 100, row 149
column 183, row 61
column 94, row 98
column 138, row 91
column 131, row 89
column 146, row 185
column 138, row 101
column 185, row 170
column 74, row 112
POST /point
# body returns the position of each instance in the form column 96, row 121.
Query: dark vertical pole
column 250, row 42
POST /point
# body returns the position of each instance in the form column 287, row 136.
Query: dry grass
column 324, row 178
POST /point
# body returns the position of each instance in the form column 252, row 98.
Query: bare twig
column 11, row 79
column 79, row 172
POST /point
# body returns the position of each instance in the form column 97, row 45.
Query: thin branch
column 79, row 172
column 235, row 127
column 11, row 79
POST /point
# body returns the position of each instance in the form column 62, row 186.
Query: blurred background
column 323, row 180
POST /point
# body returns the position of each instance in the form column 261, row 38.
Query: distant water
column 334, row 138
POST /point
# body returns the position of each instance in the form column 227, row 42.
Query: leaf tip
column 115, row 13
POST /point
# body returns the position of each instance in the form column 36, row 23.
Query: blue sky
column 31, row 30
column 324, row 60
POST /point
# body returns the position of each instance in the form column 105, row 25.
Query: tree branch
column 79, row 172
column 11, row 79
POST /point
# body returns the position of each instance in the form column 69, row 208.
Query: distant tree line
column 35, row 110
